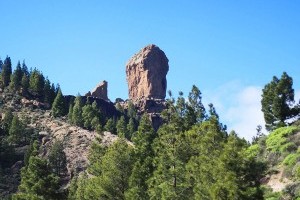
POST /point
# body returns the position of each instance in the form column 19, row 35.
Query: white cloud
column 238, row 107
column 245, row 114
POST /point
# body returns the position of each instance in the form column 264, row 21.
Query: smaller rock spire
column 100, row 91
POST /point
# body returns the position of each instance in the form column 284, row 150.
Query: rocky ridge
column 77, row 141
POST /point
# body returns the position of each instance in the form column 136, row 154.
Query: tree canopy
column 278, row 103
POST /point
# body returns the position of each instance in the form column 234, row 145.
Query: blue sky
column 229, row 49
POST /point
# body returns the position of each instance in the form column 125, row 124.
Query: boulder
column 146, row 74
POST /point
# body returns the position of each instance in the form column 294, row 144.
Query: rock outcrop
column 146, row 74
column 100, row 91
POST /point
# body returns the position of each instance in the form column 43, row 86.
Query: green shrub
column 270, row 195
column 252, row 151
column 288, row 147
column 291, row 159
column 276, row 197
column 278, row 138
column 292, row 191
column 297, row 172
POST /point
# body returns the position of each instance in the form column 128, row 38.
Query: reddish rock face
column 146, row 74
column 100, row 91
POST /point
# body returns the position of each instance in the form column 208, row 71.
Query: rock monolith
column 146, row 74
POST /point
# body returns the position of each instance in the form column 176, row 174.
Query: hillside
column 48, row 130
column 280, row 151
column 55, row 146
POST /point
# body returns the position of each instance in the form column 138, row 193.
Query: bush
column 278, row 138
column 288, row 147
column 270, row 195
column 273, row 158
column 296, row 172
column 252, row 151
column 291, row 159
column 292, row 190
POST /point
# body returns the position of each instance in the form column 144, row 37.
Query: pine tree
column 57, row 159
column 37, row 82
column 37, row 181
column 110, row 126
column 96, row 125
column 143, row 166
column 205, row 142
column 195, row 109
column 111, row 169
column 131, row 111
column 1, row 65
column 241, row 175
column 58, row 107
column 171, row 153
column 16, row 131
column 49, row 93
column 8, row 117
column 90, row 116
column 169, row 177
column 121, row 127
column 119, row 107
column 131, row 128
column 16, row 78
column 212, row 111
column 278, row 102
column 116, row 168
column 73, row 188
column 55, row 89
column 95, row 156
column 6, row 72
column 25, row 83
column 25, row 69
column 70, row 113
column 7, row 154
column 77, row 112
column 33, row 150
column 96, row 122
column 87, row 116
column 214, row 115
column 86, row 188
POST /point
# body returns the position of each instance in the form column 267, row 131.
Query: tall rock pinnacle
column 146, row 73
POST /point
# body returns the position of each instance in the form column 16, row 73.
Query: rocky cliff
column 146, row 74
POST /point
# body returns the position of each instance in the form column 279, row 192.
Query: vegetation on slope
column 191, row 156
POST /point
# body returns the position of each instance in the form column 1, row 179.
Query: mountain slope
column 280, row 150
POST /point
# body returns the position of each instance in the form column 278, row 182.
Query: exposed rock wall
column 146, row 74
column 100, row 91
